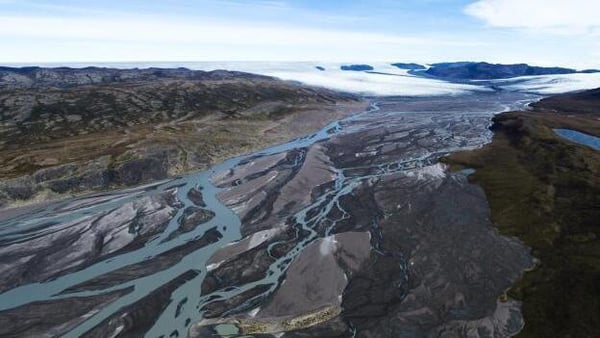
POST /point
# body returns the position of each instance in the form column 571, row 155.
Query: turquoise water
column 445, row 123
column 581, row 138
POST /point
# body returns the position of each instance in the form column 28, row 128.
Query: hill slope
column 545, row 190
column 72, row 130
column 487, row 71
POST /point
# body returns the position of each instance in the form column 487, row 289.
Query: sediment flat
column 355, row 229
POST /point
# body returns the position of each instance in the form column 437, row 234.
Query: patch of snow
column 436, row 171
column 272, row 175
column 90, row 314
column 254, row 312
column 365, row 154
column 213, row 266
column 327, row 246
column 260, row 237
column 118, row 330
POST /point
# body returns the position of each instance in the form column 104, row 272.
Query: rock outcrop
column 66, row 130
column 487, row 71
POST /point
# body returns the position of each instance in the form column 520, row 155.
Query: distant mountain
column 487, row 71
column 409, row 66
column 65, row 77
column 357, row 68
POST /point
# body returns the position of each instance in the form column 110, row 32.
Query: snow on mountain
column 384, row 79
column 552, row 84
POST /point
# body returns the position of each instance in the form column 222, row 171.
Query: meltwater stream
column 168, row 262
column 31, row 226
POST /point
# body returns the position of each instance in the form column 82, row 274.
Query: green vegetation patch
column 546, row 191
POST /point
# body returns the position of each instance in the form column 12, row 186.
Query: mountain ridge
column 62, row 77
column 65, row 130
column 468, row 70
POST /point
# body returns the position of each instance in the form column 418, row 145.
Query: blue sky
column 550, row 32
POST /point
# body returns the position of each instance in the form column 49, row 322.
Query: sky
column 540, row 32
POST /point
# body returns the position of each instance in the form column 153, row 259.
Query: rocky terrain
column 68, row 130
column 487, row 71
column 355, row 230
column 362, row 228
column 409, row 66
column 545, row 190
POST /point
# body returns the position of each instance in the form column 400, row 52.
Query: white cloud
column 203, row 31
column 271, row 30
column 556, row 16
column 128, row 37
